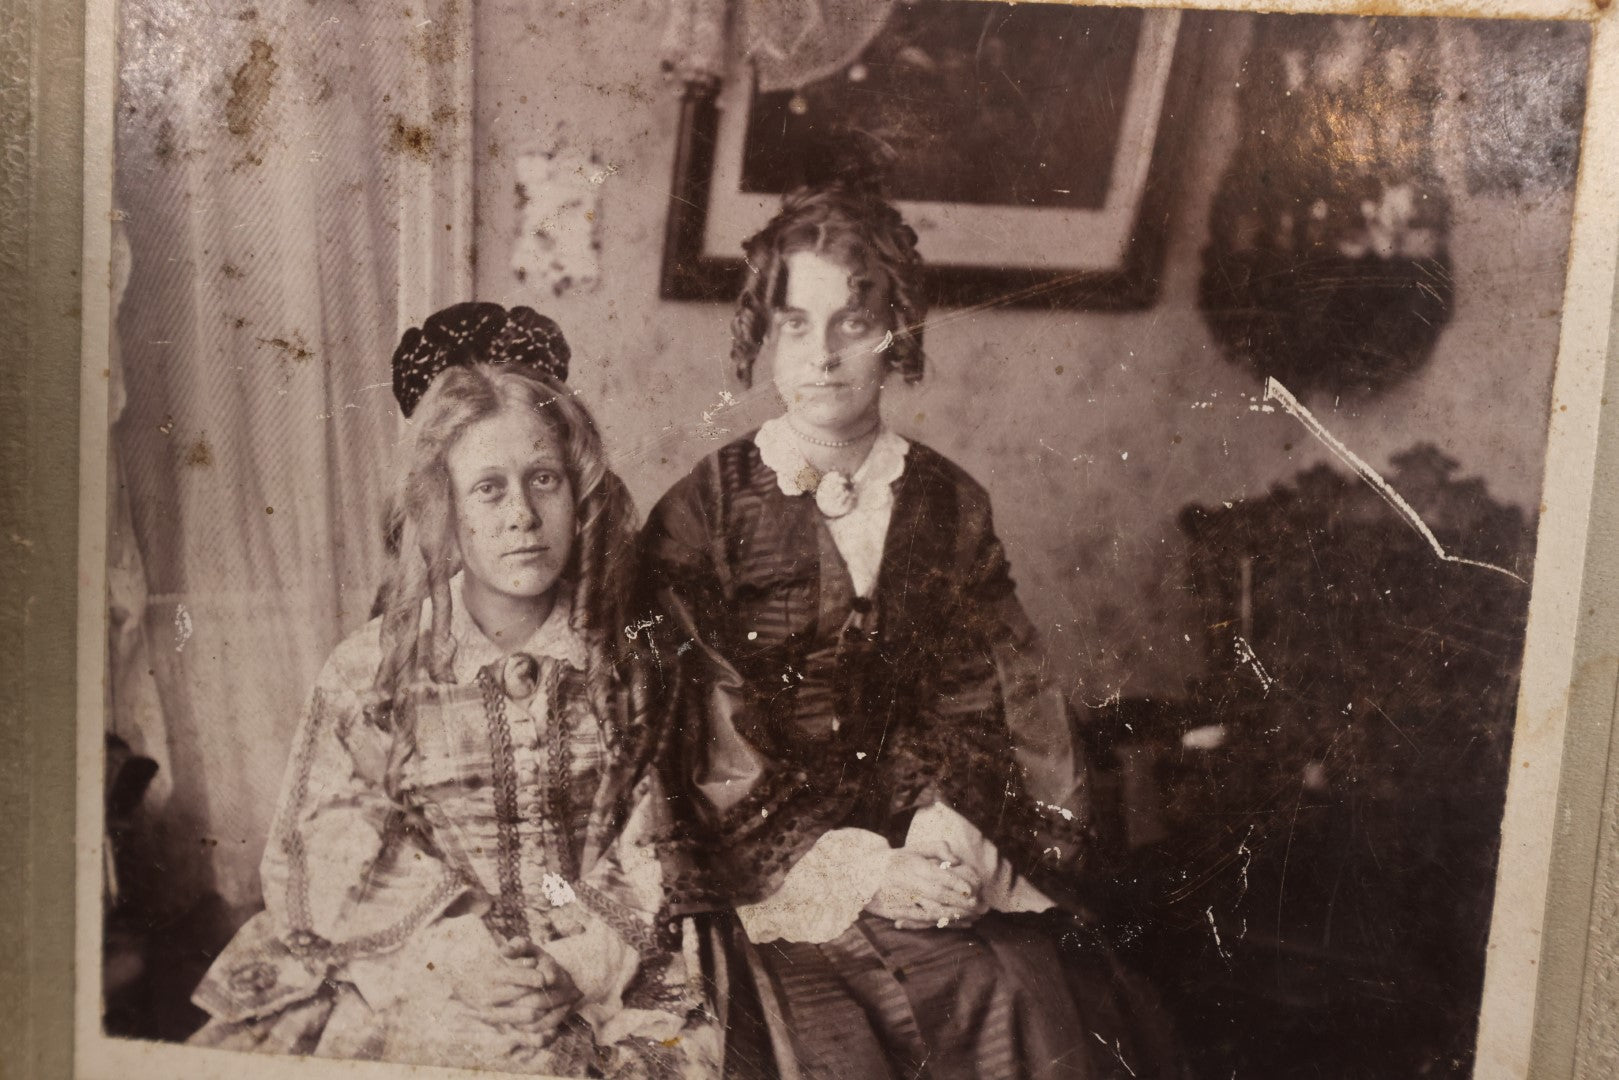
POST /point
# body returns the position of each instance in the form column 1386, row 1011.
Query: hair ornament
column 476, row 333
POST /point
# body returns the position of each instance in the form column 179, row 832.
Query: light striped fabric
column 261, row 193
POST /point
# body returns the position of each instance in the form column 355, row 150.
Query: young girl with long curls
column 879, row 776
column 460, row 871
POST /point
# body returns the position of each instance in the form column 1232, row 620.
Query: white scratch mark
column 1221, row 949
column 711, row 428
column 1275, row 391
column 1247, row 854
column 1245, row 655
column 634, row 630
column 886, row 343
column 1062, row 811
column 182, row 627
column 557, row 890
column 1116, row 1052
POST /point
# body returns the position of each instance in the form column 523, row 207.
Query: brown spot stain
column 295, row 348
column 231, row 270
column 165, row 141
column 634, row 91
column 201, row 455
column 439, row 42
column 410, row 139
column 250, row 88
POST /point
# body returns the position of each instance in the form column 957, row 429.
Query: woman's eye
column 856, row 326
column 546, row 481
column 794, row 324
column 486, row 489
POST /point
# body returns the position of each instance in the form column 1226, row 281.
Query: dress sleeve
column 1036, row 712
column 620, row 900
column 345, row 869
column 994, row 722
column 682, row 581
column 345, row 875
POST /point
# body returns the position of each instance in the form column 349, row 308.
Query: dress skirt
column 1000, row 1000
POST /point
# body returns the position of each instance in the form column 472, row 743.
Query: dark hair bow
column 476, row 333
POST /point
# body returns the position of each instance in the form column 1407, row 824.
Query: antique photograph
column 827, row 539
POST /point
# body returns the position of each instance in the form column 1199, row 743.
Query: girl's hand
column 919, row 892
column 525, row 990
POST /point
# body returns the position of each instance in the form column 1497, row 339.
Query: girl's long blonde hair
column 422, row 516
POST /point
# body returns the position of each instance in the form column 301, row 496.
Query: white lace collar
column 555, row 637
column 873, row 481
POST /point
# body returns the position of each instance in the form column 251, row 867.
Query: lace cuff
column 825, row 891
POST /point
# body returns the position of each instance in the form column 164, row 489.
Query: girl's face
column 826, row 350
column 514, row 509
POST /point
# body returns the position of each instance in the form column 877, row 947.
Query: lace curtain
column 293, row 183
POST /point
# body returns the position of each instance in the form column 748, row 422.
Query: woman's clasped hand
column 523, row 990
column 920, row 891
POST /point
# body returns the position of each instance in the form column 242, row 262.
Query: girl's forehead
column 514, row 434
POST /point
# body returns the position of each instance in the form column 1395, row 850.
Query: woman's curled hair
column 849, row 226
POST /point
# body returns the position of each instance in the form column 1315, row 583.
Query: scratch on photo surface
column 1245, row 655
column 635, row 629
column 1247, row 854
column 1215, row 930
column 710, row 428
column 1115, row 1051
column 1275, row 391
column 1063, row 811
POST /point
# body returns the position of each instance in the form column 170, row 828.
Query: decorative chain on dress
column 507, row 915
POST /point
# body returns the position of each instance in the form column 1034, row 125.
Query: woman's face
column 827, row 352
column 514, row 510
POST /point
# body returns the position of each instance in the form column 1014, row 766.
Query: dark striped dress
column 840, row 711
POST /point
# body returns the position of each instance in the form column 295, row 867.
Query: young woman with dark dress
column 873, row 770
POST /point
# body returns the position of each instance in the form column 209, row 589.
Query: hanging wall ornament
column 786, row 43
column 1327, row 265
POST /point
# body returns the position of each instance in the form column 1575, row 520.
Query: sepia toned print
column 623, row 561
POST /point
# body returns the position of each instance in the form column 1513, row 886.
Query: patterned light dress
column 514, row 818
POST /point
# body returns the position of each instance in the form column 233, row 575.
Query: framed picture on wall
column 1032, row 146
